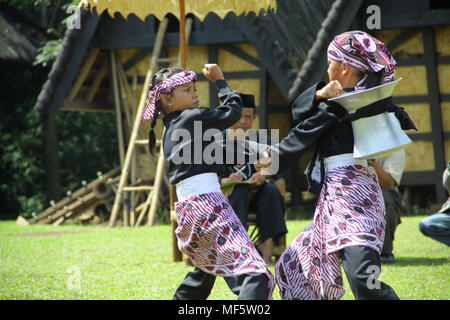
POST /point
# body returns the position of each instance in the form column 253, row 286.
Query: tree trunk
column 52, row 178
column 44, row 19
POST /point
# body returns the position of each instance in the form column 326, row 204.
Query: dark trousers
column 393, row 204
column 268, row 204
column 362, row 267
column 437, row 227
column 198, row 285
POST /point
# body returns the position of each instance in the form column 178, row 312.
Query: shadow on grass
column 419, row 261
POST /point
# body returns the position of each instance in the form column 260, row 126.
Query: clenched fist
column 212, row 72
column 263, row 162
column 331, row 90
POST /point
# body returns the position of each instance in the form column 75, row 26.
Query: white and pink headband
column 164, row 87
column 363, row 52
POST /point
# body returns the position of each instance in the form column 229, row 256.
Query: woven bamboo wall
column 281, row 120
column 442, row 41
column 420, row 155
column 231, row 63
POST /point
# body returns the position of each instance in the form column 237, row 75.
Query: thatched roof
column 14, row 45
column 47, row 94
column 289, row 42
column 296, row 36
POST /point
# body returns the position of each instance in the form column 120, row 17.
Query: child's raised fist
column 331, row 90
column 212, row 72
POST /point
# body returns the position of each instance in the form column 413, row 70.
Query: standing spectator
column 389, row 170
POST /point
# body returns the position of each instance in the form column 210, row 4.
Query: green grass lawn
column 96, row 262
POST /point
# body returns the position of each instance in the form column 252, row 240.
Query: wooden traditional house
column 273, row 56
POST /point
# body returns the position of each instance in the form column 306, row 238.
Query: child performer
column 209, row 231
column 348, row 225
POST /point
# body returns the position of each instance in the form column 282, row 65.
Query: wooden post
column 124, row 94
column 176, row 253
column 119, row 121
column 97, row 81
column 82, row 75
column 134, row 198
column 143, row 208
column 188, row 29
column 124, row 176
column 182, row 35
column 157, row 184
column 117, row 109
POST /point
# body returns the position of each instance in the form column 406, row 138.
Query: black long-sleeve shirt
column 247, row 169
column 318, row 124
column 184, row 143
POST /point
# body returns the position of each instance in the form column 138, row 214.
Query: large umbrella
column 179, row 8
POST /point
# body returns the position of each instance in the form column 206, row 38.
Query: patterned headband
column 363, row 52
column 164, row 87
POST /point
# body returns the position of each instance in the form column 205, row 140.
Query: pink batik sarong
column 211, row 235
column 349, row 212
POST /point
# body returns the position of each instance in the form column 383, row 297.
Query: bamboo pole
column 82, row 75
column 134, row 210
column 188, row 29
column 119, row 120
column 97, row 81
column 124, row 176
column 138, row 188
column 103, row 189
column 176, row 253
column 133, row 197
column 75, row 195
column 157, row 188
column 117, row 106
column 76, row 206
column 143, row 207
column 135, row 83
column 123, row 75
column 124, row 93
column 182, row 35
column 134, row 165
column 73, row 213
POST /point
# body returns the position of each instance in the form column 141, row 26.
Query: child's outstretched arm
column 305, row 133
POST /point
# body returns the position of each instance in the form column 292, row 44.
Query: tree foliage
column 21, row 161
column 87, row 141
